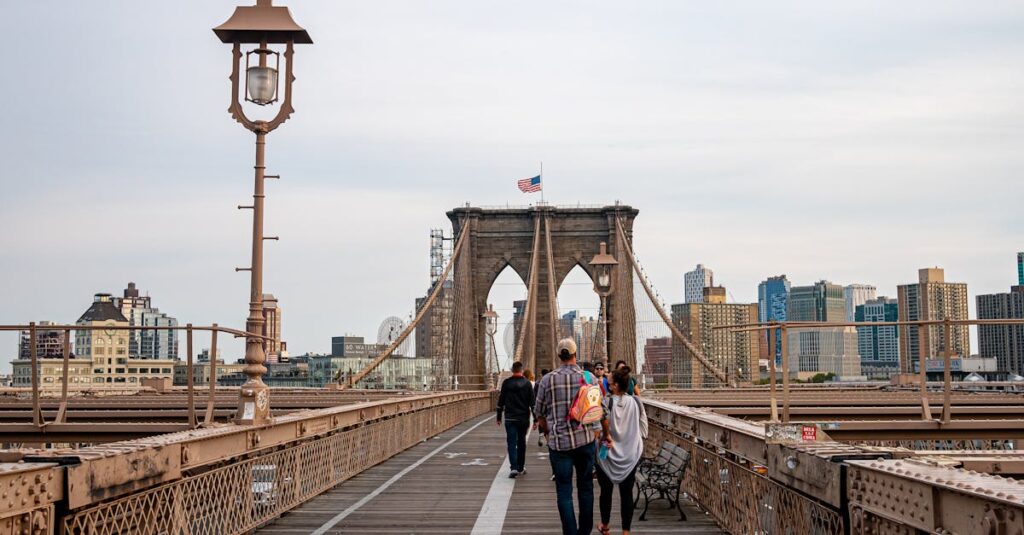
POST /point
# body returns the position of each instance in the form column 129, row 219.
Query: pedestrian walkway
column 457, row 482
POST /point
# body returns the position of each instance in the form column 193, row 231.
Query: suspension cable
column 696, row 353
column 438, row 286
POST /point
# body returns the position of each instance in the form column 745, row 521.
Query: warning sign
column 810, row 433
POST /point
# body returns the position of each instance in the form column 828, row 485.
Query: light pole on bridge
column 604, row 284
column 262, row 25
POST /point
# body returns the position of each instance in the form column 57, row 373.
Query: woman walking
column 627, row 422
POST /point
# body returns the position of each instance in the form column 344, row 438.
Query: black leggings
column 625, row 497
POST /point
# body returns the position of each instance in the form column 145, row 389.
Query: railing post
column 947, row 359
column 37, row 411
column 785, row 374
column 62, row 411
column 922, row 365
column 771, row 370
column 211, row 396
column 190, row 378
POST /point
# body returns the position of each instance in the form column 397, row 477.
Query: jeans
column 625, row 497
column 563, row 463
column 515, row 436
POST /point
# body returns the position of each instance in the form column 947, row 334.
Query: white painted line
column 365, row 499
column 492, row 515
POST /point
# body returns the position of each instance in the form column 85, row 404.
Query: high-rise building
column 1004, row 342
column 735, row 353
column 855, row 295
column 822, row 301
column 277, row 351
column 658, row 359
column 569, row 326
column 518, row 313
column 1020, row 269
column 772, row 295
column 49, row 342
column 878, row 346
column 591, row 344
column 821, row 350
column 147, row 343
column 932, row 298
column 694, row 283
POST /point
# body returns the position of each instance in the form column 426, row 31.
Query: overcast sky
column 855, row 142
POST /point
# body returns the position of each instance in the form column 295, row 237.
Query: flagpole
column 541, row 182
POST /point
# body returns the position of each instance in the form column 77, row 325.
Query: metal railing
column 227, row 478
column 782, row 328
column 33, row 330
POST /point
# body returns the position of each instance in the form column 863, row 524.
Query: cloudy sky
column 855, row 142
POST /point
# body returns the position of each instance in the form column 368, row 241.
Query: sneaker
column 522, row 472
column 513, row 474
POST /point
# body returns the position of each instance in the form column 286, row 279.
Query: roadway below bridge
column 457, row 482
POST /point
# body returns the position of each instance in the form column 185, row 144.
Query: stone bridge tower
column 500, row 237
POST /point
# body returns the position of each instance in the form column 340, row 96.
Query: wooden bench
column 659, row 477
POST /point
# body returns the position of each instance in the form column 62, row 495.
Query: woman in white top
column 627, row 423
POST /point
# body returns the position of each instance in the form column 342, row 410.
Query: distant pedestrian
column 570, row 444
column 602, row 379
column 516, row 403
column 528, row 373
column 627, row 424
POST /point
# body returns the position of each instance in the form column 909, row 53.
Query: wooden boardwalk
column 441, row 486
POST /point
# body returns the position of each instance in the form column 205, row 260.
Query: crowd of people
column 607, row 443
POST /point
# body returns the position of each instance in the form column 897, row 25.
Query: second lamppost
column 603, row 265
column 261, row 25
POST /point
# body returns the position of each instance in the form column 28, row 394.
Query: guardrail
column 772, row 478
column 225, row 478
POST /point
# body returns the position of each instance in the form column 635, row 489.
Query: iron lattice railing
column 245, row 494
column 744, row 502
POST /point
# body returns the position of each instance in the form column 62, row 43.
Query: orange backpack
column 586, row 408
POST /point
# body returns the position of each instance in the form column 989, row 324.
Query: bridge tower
column 500, row 237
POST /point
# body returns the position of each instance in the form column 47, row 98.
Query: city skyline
column 699, row 131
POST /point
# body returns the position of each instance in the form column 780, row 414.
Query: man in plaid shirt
column 571, row 446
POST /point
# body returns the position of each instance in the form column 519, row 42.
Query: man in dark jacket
column 516, row 402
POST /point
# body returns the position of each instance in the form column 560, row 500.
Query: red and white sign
column 809, row 434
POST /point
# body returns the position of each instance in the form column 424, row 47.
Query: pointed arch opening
column 508, row 297
column 579, row 310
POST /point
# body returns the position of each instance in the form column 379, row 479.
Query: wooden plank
column 445, row 494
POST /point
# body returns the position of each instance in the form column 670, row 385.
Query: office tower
column 518, row 312
column 658, row 359
column 569, row 326
column 821, row 350
column 147, row 343
column 735, row 353
column 772, row 295
column 49, row 342
column 591, row 344
column 1020, row 269
column 857, row 294
column 1004, row 342
column 878, row 346
column 274, row 347
column 694, row 283
column 932, row 298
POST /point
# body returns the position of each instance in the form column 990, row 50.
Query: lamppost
column 603, row 264
column 491, row 327
column 261, row 25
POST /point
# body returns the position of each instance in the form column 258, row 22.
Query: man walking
column 516, row 402
column 571, row 446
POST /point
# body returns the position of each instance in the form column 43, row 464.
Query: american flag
column 530, row 185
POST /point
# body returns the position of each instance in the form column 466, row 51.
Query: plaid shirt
column 555, row 395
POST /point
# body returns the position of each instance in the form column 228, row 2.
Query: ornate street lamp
column 603, row 265
column 261, row 25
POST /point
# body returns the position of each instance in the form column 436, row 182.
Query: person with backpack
column 566, row 412
column 627, row 423
column 516, row 402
